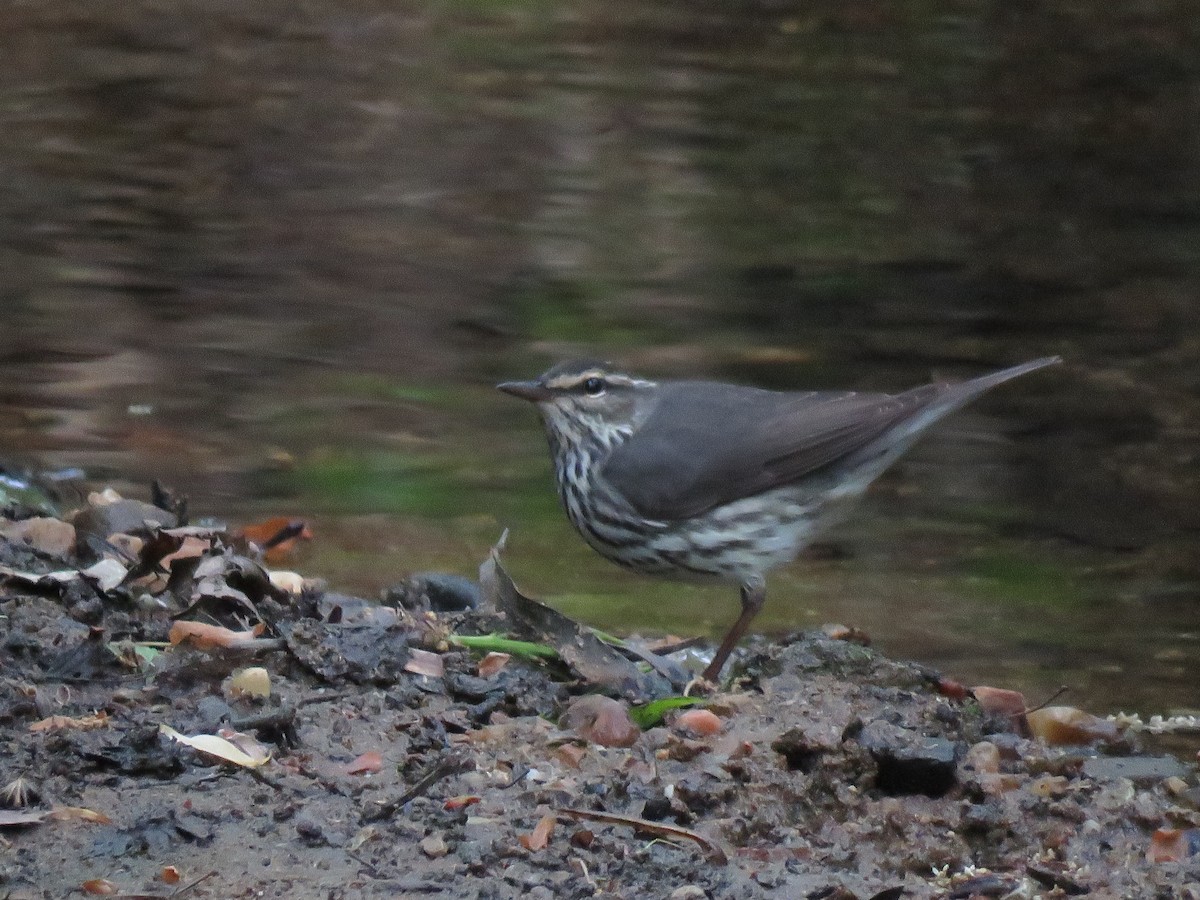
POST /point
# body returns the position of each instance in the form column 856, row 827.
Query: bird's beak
column 527, row 390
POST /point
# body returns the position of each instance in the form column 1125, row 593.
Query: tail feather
column 947, row 398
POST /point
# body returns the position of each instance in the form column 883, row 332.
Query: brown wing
column 709, row 444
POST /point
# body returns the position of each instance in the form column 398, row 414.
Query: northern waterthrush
column 697, row 479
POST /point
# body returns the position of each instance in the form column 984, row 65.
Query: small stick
column 711, row 850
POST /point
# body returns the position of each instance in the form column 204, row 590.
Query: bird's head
column 583, row 399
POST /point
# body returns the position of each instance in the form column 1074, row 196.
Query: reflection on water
column 275, row 253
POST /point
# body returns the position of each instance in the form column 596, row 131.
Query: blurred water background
column 276, row 254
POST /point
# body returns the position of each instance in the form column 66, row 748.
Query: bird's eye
column 594, row 386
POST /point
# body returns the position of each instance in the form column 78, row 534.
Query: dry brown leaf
column 1003, row 702
column 570, row 755
column 99, row 886
column 365, row 764
column 169, row 875
column 540, row 836
column 45, row 535
column 264, row 532
column 422, row 662
column 1172, row 845
column 78, row 814
column 493, row 663
column 191, row 546
column 206, row 636
column 461, row 802
column 1059, row 725
column 59, row 723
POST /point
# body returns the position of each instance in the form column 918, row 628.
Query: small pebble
column 433, row 846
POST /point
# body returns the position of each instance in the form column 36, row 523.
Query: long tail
column 935, row 402
column 977, row 386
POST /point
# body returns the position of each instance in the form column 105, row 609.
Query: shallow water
column 276, row 256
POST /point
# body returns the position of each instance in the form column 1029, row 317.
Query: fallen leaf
column 1172, row 845
column 248, row 744
column 99, row 886
column 104, row 497
column 78, row 814
column 948, row 687
column 254, row 681
column 169, row 875
column 62, row 723
column 422, row 662
column 601, row 720
column 493, row 663
column 540, row 836
column 45, row 535
column 846, row 633
column 570, row 755
column 461, row 802
column 37, row 579
column 1068, row 725
column 292, row 582
column 1004, row 703
column 277, row 536
column 220, row 747
column 106, row 574
column 14, row 817
column 206, row 636
column 191, row 546
column 365, row 764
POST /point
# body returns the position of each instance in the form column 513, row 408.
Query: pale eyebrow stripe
column 566, row 382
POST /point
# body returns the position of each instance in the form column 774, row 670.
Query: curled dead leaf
column 365, row 764
column 254, row 681
column 206, row 636
column 493, row 663
column 423, row 662
column 1068, row 725
column 78, row 814
column 292, row 582
column 541, row 834
column 239, row 749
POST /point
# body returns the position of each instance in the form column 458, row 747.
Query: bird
column 702, row 480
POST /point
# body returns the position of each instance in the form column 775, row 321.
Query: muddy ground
column 401, row 768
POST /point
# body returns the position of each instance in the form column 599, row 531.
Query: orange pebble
column 699, row 722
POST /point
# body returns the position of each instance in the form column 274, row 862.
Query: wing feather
column 706, row 444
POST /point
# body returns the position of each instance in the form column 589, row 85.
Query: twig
column 190, row 885
column 449, row 764
column 1062, row 690
column 711, row 849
